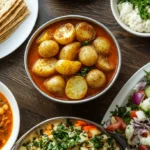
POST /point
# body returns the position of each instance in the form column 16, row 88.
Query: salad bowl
column 131, row 107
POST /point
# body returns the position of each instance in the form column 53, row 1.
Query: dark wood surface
column 35, row 108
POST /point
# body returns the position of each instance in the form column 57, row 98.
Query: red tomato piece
column 120, row 124
column 133, row 114
column 142, row 147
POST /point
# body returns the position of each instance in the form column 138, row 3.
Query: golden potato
column 102, row 45
column 84, row 32
column 55, row 85
column 104, row 65
column 88, row 56
column 44, row 37
column 69, row 52
column 44, row 67
column 48, row 48
column 65, row 34
column 67, row 67
column 96, row 78
column 76, row 88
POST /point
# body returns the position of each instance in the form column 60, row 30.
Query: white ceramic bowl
column 115, row 12
column 16, row 116
column 83, row 18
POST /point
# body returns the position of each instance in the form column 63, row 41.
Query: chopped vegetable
column 138, row 97
column 147, row 91
column 65, row 136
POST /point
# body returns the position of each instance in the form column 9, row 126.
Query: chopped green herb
column 83, row 72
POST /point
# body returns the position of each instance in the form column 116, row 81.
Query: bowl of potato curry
column 72, row 59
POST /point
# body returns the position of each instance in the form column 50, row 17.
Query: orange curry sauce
column 33, row 56
column 6, row 122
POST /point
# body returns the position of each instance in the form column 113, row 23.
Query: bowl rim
column 123, row 25
column 34, row 128
column 16, row 116
column 33, row 37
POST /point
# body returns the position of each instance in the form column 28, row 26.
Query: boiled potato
column 104, row 65
column 69, row 52
column 44, row 37
column 56, row 85
column 87, row 55
column 45, row 67
column 76, row 88
column 102, row 45
column 48, row 48
column 85, row 32
column 96, row 78
column 65, row 34
column 67, row 67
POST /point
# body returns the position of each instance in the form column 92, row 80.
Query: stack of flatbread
column 12, row 13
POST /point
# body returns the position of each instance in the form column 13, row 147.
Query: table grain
column 35, row 108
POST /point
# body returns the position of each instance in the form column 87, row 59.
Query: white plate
column 16, row 116
column 22, row 32
column 122, row 97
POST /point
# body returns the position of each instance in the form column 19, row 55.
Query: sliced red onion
column 140, row 86
column 137, row 97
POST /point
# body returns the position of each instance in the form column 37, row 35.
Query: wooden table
column 35, row 108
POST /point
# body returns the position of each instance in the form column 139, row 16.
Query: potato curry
column 6, row 120
column 72, row 60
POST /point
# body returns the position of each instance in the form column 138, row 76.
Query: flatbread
column 8, row 34
column 12, row 17
column 9, row 30
column 5, row 5
column 11, row 10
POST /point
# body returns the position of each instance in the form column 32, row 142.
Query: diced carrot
column 77, row 125
column 89, row 134
column 82, row 123
column 88, row 128
column 133, row 114
column 47, row 132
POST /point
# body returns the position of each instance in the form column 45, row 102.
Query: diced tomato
column 142, row 147
column 88, row 128
column 120, row 124
column 145, row 134
column 123, row 124
column 82, row 123
column 133, row 114
column 114, row 127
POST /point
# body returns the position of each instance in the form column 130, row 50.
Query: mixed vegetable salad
column 133, row 120
column 69, row 135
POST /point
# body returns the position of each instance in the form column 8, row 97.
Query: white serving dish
column 122, row 97
column 22, row 32
column 115, row 12
column 16, row 116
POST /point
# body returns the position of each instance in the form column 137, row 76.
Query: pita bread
column 11, row 10
column 14, row 25
column 11, row 18
column 5, row 5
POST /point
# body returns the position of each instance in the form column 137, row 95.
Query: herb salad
column 133, row 119
column 69, row 135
